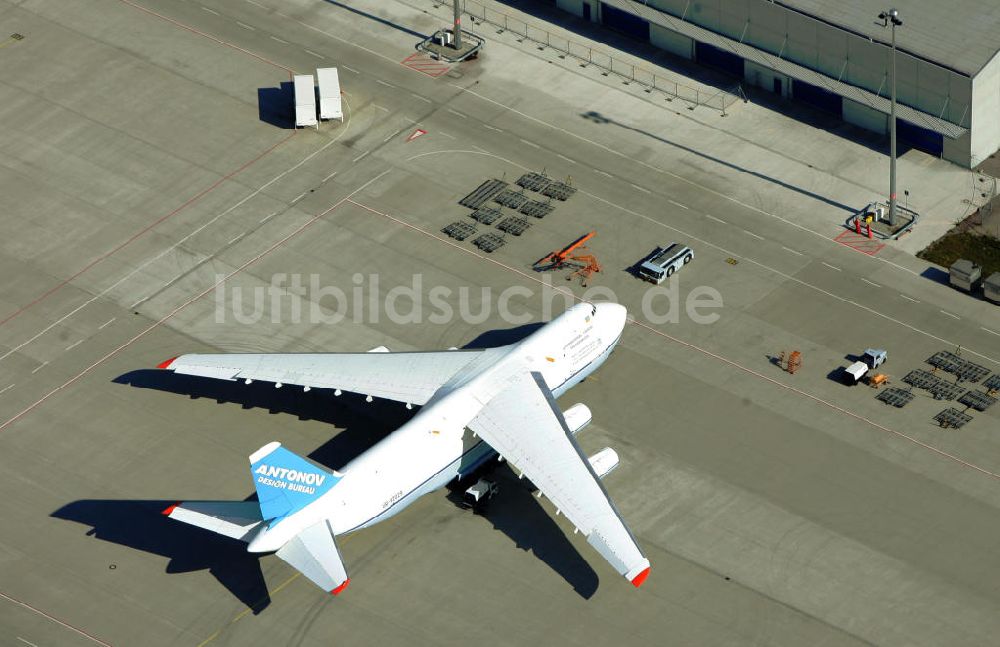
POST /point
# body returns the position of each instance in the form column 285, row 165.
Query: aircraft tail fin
column 287, row 482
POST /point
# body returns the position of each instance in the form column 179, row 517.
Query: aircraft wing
column 525, row 426
column 406, row 377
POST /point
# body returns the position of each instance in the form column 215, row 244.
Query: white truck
column 871, row 359
column 664, row 261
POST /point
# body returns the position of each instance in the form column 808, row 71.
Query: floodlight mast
column 891, row 17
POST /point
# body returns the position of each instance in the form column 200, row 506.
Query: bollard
column 857, row 226
column 869, row 230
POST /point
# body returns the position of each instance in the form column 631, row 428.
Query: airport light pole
column 891, row 17
column 457, row 32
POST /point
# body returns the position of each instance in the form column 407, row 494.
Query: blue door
column 817, row 97
column 624, row 22
column 720, row 58
column 920, row 138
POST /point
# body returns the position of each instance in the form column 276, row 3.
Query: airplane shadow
column 517, row 513
column 139, row 525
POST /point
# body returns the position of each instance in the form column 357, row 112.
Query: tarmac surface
column 153, row 190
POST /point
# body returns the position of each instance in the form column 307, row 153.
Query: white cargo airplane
column 505, row 396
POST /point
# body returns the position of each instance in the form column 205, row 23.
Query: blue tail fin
column 285, row 481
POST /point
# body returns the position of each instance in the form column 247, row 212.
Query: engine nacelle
column 577, row 417
column 604, row 462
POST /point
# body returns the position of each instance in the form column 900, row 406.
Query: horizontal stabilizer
column 285, row 481
column 313, row 552
column 236, row 519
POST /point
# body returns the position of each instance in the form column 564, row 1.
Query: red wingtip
column 166, row 511
column 167, row 363
column 640, row 578
column 340, row 588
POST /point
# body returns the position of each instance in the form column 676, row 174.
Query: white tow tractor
column 871, row 359
column 480, row 493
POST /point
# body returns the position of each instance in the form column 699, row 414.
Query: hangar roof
column 963, row 35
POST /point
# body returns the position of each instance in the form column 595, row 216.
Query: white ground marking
column 213, row 11
column 106, row 323
column 493, row 128
column 183, row 240
column 711, row 217
column 279, row 40
column 30, row 644
column 527, row 143
column 312, row 53
column 7, row 388
column 678, row 204
column 871, row 283
column 349, row 69
column 832, row 267
column 382, row 108
column 564, row 158
column 236, row 238
column 449, row 136
column 457, row 114
column 385, row 83
column 324, row 179
column 750, row 233
column 639, row 188
column 388, row 138
column 303, row 194
column 986, row 329
column 759, row 264
column 74, row 344
column 39, row 367
column 909, row 298
column 657, row 169
column 597, row 170
column 794, row 251
column 361, row 156
column 138, row 302
column 417, row 96
column 245, row 26
column 945, row 312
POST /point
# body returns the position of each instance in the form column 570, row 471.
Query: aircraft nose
column 615, row 314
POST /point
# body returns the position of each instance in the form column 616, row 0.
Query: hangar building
column 836, row 55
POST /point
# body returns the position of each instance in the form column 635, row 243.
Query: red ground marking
column 142, row 231
column 191, row 29
column 159, row 322
column 416, row 133
column 424, row 64
column 859, row 242
column 54, row 619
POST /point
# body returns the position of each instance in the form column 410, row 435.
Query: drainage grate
column 514, row 225
column 460, row 230
column 534, row 181
column 486, row 190
column 512, row 199
column 952, row 418
column 486, row 215
column 978, row 400
column 489, row 242
column 898, row 398
column 537, row 208
column 559, row 190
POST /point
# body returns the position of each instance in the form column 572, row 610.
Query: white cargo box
column 305, row 101
column 329, row 93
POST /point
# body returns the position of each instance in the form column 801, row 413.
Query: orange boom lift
column 584, row 265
